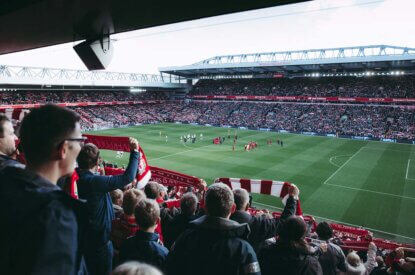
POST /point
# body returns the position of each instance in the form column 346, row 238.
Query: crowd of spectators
column 376, row 86
column 340, row 119
column 47, row 230
column 32, row 97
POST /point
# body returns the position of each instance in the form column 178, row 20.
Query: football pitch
column 361, row 183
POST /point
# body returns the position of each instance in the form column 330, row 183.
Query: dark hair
column 3, row 119
column 146, row 213
column 88, row 156
column 152, row 190
column 219, row 200
column 293, row 233
column 324, row 231
column 188, row 204
column 131, row 198
column 43, row 129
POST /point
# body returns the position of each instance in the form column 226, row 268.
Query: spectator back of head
column 219, row 200
column 135, row 268
column 188, row 204
column 324, row 231
column 293, row 232
column 152, row 190
column 45, row 128
column 88, row 157
column 147, row 213
column 241, row 197
column 353, row 259
column 116, row 197
column 131, row 198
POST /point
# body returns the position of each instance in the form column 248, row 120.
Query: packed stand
column 376, row 86
column 33, row 97
column 396, row 122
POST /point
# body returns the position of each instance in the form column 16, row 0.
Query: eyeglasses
column 81, row 140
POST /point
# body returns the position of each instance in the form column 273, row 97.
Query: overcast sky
column 311, row 25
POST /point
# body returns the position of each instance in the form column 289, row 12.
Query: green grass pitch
column 363, row 183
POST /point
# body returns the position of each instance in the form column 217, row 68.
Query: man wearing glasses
column 41, row 224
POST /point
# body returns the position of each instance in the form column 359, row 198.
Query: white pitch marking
column 371, row 191
column 344, row 164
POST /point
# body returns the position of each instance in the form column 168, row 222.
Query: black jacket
column 281, row 259
column 175, row 227
column 144, row 247
column 213, row 246
column 41, row 227
column 6, row 161
column 264, row 228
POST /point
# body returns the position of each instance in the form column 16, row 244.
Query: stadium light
column 137, row 90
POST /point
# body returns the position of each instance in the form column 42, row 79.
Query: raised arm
column 109, row 183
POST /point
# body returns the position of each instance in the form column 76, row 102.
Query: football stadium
column 293, row 161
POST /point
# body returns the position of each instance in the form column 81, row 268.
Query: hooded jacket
column 42, row 227
column 213, row 245
column 144, row 247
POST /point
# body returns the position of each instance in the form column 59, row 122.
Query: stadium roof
column 29, row 24
column 49, row 77
column 375, row 58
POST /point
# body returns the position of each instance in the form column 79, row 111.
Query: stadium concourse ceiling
column 29, row 24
